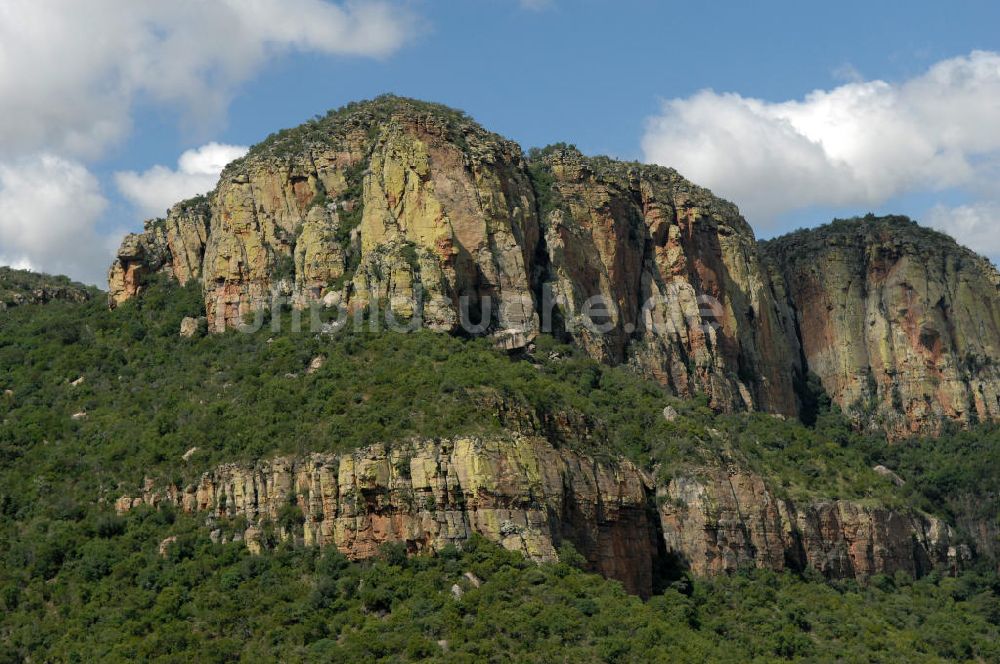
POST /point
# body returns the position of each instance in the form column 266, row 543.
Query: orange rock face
column 173, row 246
column 518, row 491
column 900, row 323
column 727, row 520
column 530, row 497
column 692, row 306
column 416, row 209
column 411, row 209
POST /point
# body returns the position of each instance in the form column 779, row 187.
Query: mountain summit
column 414, row 209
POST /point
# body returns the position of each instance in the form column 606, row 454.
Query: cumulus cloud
column 973, row 225
column 858, row 144
column 155, row 190
column 48, row 208
column 71, row 71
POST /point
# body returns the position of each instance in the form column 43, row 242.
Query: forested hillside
column 95, row 401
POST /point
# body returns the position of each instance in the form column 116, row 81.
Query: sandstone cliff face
column 528, row 496
column 722, row 520
column 391, row 203
column 901, row 324
column 692, row 306
column 414, row 207
column 456, row 219
column 174, row 246
column 518, row 491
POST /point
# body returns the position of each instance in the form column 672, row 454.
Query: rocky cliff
column 174, row 246
column 691, row 305
column 900, row 323
column 719, row 520
column 516, row 490
column 392, row 202
column 408, row 208
column 530, row 497
column 413, row 207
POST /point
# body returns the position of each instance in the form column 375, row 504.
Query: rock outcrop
column 518, row 491
column 391, row 202
column 722, row 520
column 174, row 246
column 21, row 287
column 192, row 326
column 690, row 304
column 529, row 496
column 899, row 322
column 412, row 207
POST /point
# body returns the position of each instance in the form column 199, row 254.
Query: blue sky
column 618, row 78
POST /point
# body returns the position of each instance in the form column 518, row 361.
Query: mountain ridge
column 414, row 209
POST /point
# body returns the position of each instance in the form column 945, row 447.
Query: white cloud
column 48, row 210
column 71, row 71
column 156, row 189
column 976, row 225
column 858, row 144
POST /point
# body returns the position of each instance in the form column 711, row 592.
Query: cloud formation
column 48, row 209
column 974, row 225
column 858, row 144
column 156, row 189
column 72, row 72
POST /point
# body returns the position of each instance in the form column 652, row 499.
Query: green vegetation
column 77, row 582
column 898, row 229
column 19, row 287
column 351, row 219
column 543, row 180
column 198, row 204
column 364, row 115
column 119, row 600
column 150, row 395
column 112, row 597
column 957, row 475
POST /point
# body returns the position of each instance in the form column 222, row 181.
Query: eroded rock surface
column 528, row 496
column 722, row 520
column 518, row 491
column 900, row 323
column 174, row 246
column 414, row 207
column 693, row 307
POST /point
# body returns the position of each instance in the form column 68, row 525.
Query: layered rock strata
column 723, row 520
column 530, row 497
column 519, row 491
